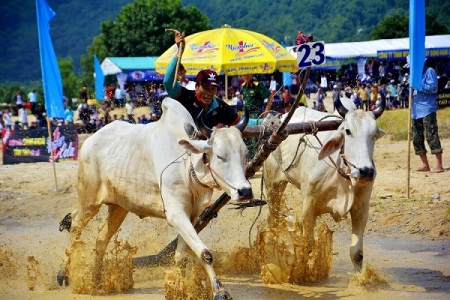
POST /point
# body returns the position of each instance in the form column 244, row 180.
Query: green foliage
column 397, row 26
column 69, row 79
column 139, row 30
column 391, row 27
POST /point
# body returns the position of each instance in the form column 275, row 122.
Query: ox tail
column 66, row 222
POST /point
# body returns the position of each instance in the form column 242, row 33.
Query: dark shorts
column 426, row 127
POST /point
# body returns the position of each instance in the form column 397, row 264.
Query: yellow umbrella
column 231, row 51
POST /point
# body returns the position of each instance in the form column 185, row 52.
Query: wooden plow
column 277, row 136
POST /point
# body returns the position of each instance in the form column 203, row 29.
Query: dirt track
column 407, row 240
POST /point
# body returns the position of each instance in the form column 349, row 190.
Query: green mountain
column 77, row 22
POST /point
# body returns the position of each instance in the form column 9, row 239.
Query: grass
column 395, row 123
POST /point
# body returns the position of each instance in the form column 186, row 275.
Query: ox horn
column 378, row 111
column 243, row 121
column 201, row 125
column 340, row 107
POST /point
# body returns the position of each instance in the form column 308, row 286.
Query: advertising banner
column 30, row 146
column 402, row 54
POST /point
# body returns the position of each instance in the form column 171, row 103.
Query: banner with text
column 30, row 146
column 402, row 54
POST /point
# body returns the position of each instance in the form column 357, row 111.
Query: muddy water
column 414, row 268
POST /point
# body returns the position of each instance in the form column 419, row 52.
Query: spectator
column 392, row 88
column 301, row 39
column 129, row 107
column 254, row 94
column 335, row 94
column 144, row 119
column 39, row 113
column 17, row 125
column 84, row 113
column 293, row 88
column 423, row 114
column 84, row 94
column 68, row 115
column 23, row 117
column 273, row 85
column 119, row 95
column 374, row 93
column 237, row 101
column 320, row 96
column 32, row 98
column 382, row 73
column 356, row 100
column 315, row 107
column 7, row 117
column 324, row 83
column 363, row 97
column 19, row 100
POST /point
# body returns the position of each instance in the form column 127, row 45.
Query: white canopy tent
column 109, row 67
column 370, row 48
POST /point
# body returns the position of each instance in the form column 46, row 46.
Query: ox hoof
column 222, row 295
column 358, row 262
column 62, row 277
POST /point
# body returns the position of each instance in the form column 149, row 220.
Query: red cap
column 207, row 78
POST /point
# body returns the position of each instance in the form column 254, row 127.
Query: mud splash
column 116, row 274
column 190, row 283
column 369, row 279
column 288, row 257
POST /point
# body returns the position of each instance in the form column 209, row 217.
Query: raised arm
column 173, row 90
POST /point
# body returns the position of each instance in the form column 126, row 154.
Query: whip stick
column 179, row 54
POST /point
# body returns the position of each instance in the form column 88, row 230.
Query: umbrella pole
column 226, row 88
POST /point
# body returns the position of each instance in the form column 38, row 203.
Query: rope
column 160, row 176
column 259, row 213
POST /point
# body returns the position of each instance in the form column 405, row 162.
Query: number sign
column 311, row 54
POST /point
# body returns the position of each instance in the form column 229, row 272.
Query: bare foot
column 423, row 169
column 436, row 170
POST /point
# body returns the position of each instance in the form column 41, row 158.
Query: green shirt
column 254, row 94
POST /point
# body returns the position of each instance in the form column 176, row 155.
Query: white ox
column 310, row 167
column 153, row 170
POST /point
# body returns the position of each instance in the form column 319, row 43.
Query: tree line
column 138, row 28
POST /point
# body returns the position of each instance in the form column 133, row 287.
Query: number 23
column 311, row 54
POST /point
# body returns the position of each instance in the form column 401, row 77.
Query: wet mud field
column 406, row 247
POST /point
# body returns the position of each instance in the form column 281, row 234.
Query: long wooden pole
column 408, row 167
column 211, row 212
column 51, row 152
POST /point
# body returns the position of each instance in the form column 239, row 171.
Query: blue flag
column 51, row 77
column 99, row 80
column 416, row 41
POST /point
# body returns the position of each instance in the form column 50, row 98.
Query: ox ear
column 196, row 146
column 332, row 145
column 379, row 134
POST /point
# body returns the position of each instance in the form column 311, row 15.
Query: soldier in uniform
column 254, row 93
